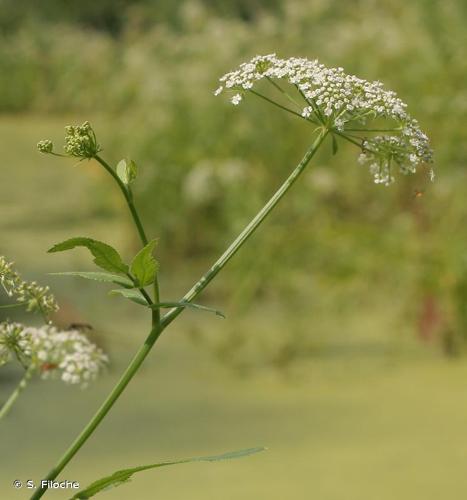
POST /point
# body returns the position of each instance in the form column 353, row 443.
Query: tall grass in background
column 398, row 258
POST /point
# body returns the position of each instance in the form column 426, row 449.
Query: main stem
column 128, row 198
column 156, row 331
column 14, row 395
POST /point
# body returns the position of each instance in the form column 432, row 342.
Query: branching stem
column 156, row 315
column 194, row 291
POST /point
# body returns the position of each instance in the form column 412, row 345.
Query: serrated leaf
column 122, row 476
column 98, row 276
column 133, row 295
column 335, row 147
column 105, row 256
column 127, row 171
column 144, row 266
column 166, row 305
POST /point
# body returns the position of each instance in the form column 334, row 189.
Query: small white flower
column 339, row 124
column 42, row 355
column 236, row 99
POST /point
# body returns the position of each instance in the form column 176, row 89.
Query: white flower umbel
column 50, row 352
column 34, row 296
column 69, row 353
column 344, row 105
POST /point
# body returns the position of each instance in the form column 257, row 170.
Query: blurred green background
column 346, row 323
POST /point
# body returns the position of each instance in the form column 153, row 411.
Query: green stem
column 10, row 306
column 373, row 130
column 142, row 290
column 19, row 389
column 146, row 296
column 347, row 138
column 156, row 331
column 282, row 91
column 280, row 106
column 285, row 108
column 128, row 199
column 156, row 315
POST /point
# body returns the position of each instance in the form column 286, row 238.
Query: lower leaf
column 124, row 475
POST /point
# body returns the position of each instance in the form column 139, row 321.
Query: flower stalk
column 15, row 394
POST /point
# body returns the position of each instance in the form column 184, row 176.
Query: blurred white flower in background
column 51, row 352
column 207, row 179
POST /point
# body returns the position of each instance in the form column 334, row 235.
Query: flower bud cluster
column 45, row 146
column 339, row 101
column 80, row 141
column 34, row 296
column 13, row 341
column 51, row 352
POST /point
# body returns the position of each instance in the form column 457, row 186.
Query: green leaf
column 144, row 266
column 124, row 475
column 127, row 171
column 99, row 276
column 105, row 256
column 166, row 305
column 133, row 295
column 334, row 145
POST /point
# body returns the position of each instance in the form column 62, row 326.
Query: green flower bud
column 80, row 141
column 37, row 298
column 46, row 146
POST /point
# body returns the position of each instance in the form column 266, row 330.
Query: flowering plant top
column 337, row 105
column 344, row 105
